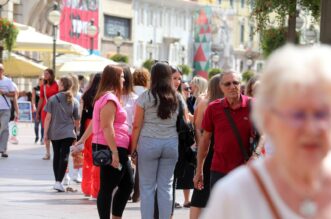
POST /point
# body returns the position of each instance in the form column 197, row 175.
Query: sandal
column 177, row 205
column 187, row 205
column 47, row 157
column 69, row 189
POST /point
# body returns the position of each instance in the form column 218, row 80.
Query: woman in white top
column 293, row 109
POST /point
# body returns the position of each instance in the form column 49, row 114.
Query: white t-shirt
column 129, row 104
column 6, row 85
column 238, row 197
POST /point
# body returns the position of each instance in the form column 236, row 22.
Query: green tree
column 214, row 71
column 247, row 75
column 186, row 70
column 148, row 64
column 283, row 9
column 120, row 58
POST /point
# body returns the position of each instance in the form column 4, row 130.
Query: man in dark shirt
column 227, row 152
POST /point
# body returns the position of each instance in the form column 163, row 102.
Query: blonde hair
column 67, row 88
column 291, row 70
column 75, row 84
column 201, row 85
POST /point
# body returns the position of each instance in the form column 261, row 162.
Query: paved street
column 26, row 183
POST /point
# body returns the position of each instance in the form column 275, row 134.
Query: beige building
column 116, row 16
column 244, row 40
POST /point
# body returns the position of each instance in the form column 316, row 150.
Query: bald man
column 7, row 90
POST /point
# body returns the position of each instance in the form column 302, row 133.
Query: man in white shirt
column 7, row 90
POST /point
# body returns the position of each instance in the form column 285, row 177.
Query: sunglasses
column 187, row 89
column 228, row 84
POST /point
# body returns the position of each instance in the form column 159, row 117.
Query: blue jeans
column 157, row 160
column 36, row 127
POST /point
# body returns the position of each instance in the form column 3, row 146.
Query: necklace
column 308, row 208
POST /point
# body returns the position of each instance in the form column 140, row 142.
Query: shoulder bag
column 253, row 140
column 101, row 154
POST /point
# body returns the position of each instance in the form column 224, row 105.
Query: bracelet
column 115, row 152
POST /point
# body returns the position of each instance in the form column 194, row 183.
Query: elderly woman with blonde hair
column 199, row 87
column 293, row 109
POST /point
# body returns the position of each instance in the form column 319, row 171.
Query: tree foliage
column 186, row 70
column 273, row 38
column 214, row 71
column 120, row 58
column 148, row 64
column 262, row 10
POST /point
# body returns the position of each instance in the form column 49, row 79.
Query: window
column 242, row 33
column 242, row 3
column 231, row 3
column 251, row 33
column 219, row 2
column 117, row 24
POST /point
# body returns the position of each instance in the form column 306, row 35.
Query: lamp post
column 183, row 54
column 54, row 17
column 215, row 59
column 92, row 30
column 149, row 49
column 118, row 41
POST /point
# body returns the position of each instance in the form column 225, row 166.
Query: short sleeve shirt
column 122, row 137
column 6, row 85
column 227, row 153
column 154, row 126
column 62, row 116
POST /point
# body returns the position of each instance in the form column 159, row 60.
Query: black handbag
column 101, row 154
column 185, row 138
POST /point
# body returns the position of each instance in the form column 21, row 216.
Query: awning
column 18, row 66
column 83, row 64
column 29, row 39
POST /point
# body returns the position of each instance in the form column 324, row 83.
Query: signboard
column 75, row 17
column 24, row 111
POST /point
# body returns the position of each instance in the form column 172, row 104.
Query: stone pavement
column 26, row 183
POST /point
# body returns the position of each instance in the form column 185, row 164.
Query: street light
column 149, row 48
column 92, row 30
column 54, row 17
column 310, row 35
column 215, row 59
column 118, row 41
column 2, row 3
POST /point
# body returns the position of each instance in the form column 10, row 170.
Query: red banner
column 75, row 17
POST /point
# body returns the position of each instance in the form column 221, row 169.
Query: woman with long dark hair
column 156, row 140
column 110, row 130
column 47, row 90
column 200, row 197
column 90, row 182
column 61, row 119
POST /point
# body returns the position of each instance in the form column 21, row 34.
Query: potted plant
column 8, row 33
column 120, row 58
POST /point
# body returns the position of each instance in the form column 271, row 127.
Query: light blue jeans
column 157, row 160
column 4, row 129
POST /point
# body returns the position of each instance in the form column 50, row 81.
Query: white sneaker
column 91, row 198
column 78, row 179
column 59, row 187
column 66, row 180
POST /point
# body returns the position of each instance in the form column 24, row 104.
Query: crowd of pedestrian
column 139, row 135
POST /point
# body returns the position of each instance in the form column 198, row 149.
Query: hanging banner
column 76, row 15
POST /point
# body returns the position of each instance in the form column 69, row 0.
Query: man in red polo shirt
column 227, row 152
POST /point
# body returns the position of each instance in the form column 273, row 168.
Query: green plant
column 8, row 33
column 247, row 75
column 214, row 71
column 120, row 58
column 274, row 38
column 186, row 70
column 148, row 64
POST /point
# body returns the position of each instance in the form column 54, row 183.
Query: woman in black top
column 90, row 182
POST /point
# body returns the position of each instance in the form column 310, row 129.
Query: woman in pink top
column 111, row 130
